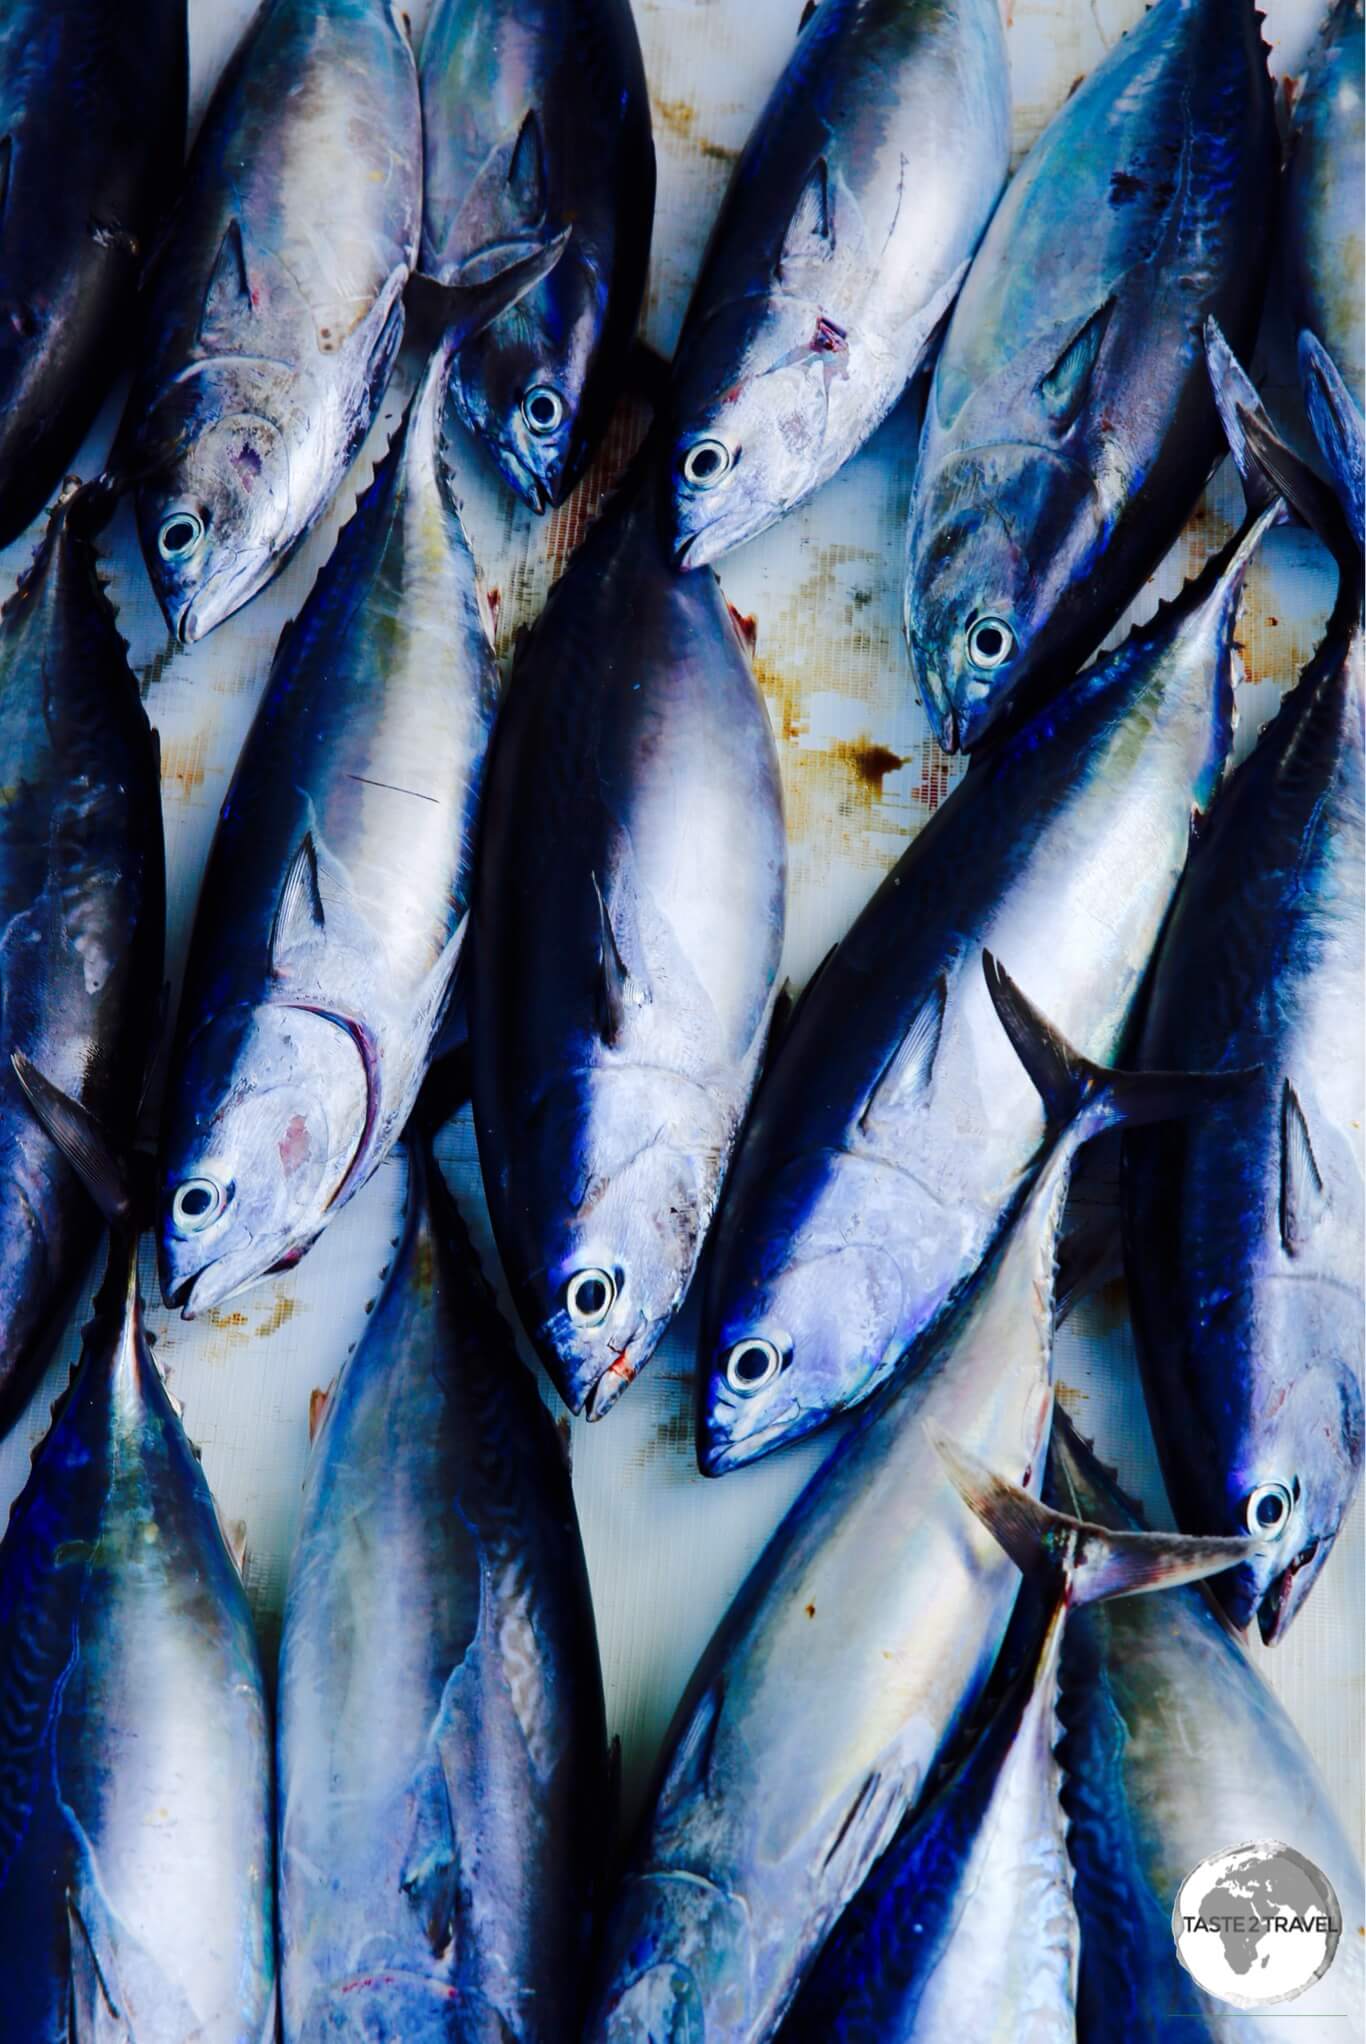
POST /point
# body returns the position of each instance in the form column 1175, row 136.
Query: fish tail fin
column 464, row 307
column 1088, row 1563
column 1072, row 1086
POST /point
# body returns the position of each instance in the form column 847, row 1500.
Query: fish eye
column 752, row 1364
column 589, row 1297
column 1268, row 1508
column 197, row 1204
column 180, row 534
column 543, row 408
column 705, row 462
column 990, row 643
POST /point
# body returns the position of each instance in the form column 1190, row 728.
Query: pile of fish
column 968, row 1725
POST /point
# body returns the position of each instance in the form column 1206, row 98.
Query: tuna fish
column 1245, row 1229
column 1174, row 1749
column 536, row 113
column 966, row 1926
column 135, row 1849
column 1326, row 237
column 441, row 1738
column 1070, row 426
column 82, row 921
column 275, row 304
column 92, row 133
column 333, row 908
column 895, row 1131
column 627, row 929
column 844, row 238
column 861, row 1639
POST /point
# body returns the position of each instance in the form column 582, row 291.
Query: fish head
column 749, row 444
column 213, row 512
column 268, row 1115
column 985, row 608
column 521, row 387
column 786, row 1354
column 613, row 1259
column 1294, row 1467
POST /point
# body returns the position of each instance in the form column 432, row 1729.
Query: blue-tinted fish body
column 845, row 235
column 332, row 912
column 92, row 132
column 136, row 1893
column 1244, row 1228
column 627, row 930
column 441, row 1742
column 895, row 1129
column 1174, row 1748
column 1326, row 236
column 536, row 118
column 274, row 308
column 82, row 920
column 1070, row 425
column 858, row 1643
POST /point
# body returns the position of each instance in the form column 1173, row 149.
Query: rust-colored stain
column 238, row 1324
column 869, row 762
column 184, row 762
column 810, row 1610
column 678, row 117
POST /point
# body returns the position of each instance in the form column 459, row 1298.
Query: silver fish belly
column 1070, row 425
column 441, row 1742
column 275, row 307
column 627, row 931
column 136, row 1892
column 333, row 908
column 843, row 240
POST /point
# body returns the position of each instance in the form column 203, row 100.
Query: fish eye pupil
column 752, row 1364
column 990, row 643
column 1268, row 1508
column 543, row 408
column 180, row 534
column 198, row 1202
column 589, row 1297
column 706, row 462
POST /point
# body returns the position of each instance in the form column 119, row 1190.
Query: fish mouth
column 604, row 1391
column 718, row 1453
column 1287, row 1592
column 212, row 1285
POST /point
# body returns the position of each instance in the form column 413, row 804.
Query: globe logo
column 1256, row 1925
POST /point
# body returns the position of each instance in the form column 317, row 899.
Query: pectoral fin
column 623, row 989
column 78, row 1136
column 299, row 919
column 430, row 1873
column 1065, row 386
column 227, row 296
column 810, row 236
column 1304, row 1197
column 94, row 1999
column 905, row 1079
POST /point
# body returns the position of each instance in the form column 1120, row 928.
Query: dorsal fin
column 905, row 1078
column 690, row 1768
column 228, row 292
column 299, row 919
column 810, row 236
column 1304, row 1197
column 1064, row 388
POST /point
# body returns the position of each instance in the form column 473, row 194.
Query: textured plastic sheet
column 667, row 1550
